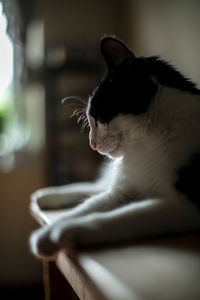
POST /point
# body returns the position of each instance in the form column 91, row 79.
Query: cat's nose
column 93, row 145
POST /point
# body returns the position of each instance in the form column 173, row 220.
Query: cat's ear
column 115, row 52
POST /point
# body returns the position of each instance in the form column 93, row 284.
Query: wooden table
column 156, row 269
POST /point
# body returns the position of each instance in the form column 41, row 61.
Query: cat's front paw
column 42, row 245
column 64, row 234
column 74, row 233
column 46, row 242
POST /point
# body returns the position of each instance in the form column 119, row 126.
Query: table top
column 165, row 268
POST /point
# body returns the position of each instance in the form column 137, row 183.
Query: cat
column 145, row 117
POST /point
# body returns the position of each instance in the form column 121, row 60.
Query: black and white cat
column 145, row 116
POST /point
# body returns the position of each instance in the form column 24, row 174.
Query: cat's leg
column 41, row 242
column 137, row 220
column 65, row 196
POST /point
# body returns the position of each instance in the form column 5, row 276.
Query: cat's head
column 125, row 92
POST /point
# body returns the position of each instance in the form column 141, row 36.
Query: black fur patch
column 188, row 181
column 126, row 90
column 167, row 75
column 129, row 89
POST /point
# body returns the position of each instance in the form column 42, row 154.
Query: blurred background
column 50, row 50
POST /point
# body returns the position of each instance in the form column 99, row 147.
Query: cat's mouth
column 108, row 147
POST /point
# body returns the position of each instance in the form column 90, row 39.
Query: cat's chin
column 112, row 153
column 115, row 154
column 111, row 156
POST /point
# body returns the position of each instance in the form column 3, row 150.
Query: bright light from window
column 6, row 55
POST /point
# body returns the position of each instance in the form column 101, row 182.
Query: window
column 12, row 135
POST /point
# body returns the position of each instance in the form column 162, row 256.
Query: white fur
column 137, row 197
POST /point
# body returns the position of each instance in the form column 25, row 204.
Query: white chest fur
column 160, row 143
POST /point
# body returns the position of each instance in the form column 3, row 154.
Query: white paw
column 74, row 233
column 41, row 245
column 64, row 234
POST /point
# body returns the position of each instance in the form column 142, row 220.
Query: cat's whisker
column 85, row 123
column 77, row 112
column 81, row 118
column 71, row 98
